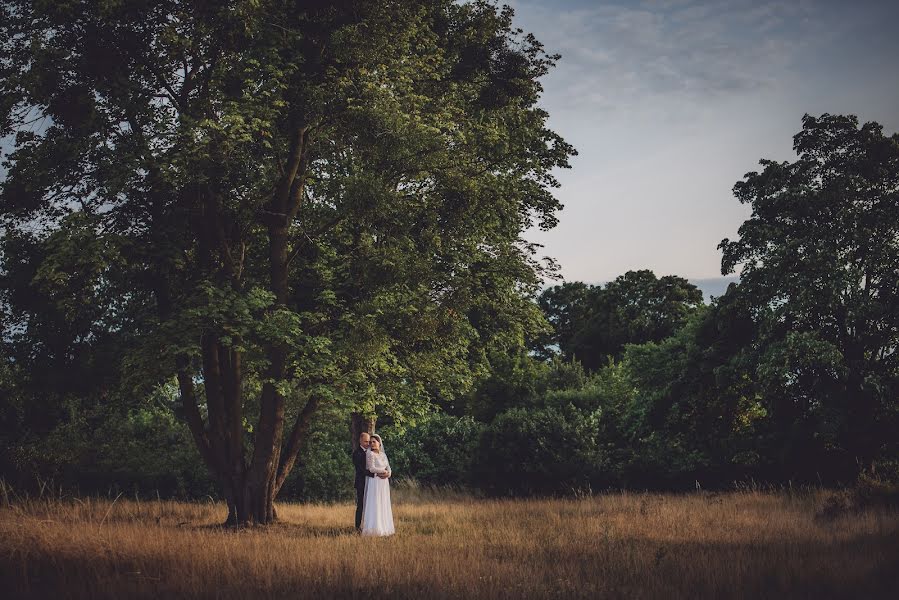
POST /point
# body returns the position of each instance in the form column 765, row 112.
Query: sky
column 671, row 102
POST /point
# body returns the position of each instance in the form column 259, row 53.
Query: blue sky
column 670, row 102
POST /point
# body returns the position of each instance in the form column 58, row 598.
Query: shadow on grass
column 650, row 570
column 288, row 528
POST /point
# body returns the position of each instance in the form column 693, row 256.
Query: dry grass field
column 736, row 545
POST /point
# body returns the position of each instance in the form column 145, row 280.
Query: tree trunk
column 251, row 500
column 261, row 477
column 250, row 488
column 358, row 424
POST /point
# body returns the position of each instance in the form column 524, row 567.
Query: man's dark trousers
column 359, row 484
column 360, row 495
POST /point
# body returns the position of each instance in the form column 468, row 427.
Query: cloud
column 617, row 54
column 669, row 102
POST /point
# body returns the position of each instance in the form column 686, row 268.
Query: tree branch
column 172, row 95
column 289, row 455
column 192, row 413
column 280, row 202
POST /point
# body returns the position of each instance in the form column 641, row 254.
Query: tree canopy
column 594, row 323
column 276, row 204
column 819, row 259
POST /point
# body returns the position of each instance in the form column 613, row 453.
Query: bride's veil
column 381, row 443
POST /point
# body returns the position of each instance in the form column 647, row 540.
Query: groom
column 361, row 474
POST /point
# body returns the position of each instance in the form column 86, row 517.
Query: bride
column 377, row 516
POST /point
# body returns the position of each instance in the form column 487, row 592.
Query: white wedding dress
column 377, row 516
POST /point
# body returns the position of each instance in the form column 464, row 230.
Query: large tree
column 278, row 203
column 819, row 259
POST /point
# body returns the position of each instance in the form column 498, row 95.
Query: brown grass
column 739, row 545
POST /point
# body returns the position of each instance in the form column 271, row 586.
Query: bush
column 543, row 451
column 324, row 469
column 109, row 449
column 439, row 450
column 879, row 485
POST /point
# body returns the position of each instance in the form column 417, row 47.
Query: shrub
column 542, row 451
column 879, row 485
column 439, row 450
column 324, row 471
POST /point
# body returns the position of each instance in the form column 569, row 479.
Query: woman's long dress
column 377, row 516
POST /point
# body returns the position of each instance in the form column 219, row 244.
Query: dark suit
column 359, row 484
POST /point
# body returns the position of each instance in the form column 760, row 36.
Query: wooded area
column 227, row 230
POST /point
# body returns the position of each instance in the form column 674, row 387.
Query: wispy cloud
column 616, row 54
column 669, row 102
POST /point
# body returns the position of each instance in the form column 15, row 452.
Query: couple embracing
column 373, row 513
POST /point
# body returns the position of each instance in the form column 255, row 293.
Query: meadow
column 748, row 544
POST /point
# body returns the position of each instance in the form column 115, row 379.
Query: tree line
column 235, row 226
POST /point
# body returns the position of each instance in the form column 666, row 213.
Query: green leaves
column 594, row 323
column 818, row 258
column 325, row 198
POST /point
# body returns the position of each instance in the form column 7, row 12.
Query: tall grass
column 747, row 544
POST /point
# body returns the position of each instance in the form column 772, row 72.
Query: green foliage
column 439, row 450
column 104, row 447
column 819, row 257
column 517, row 379
column 539, row 451
column 325, row 472
column 594, row 323
column 695, row 411
column 298, row 197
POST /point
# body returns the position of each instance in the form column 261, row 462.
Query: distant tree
column 518, row 379
column 593, row 323
column 819, row 261
column 695, row 412
column 277, row 204
column 565, row 307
